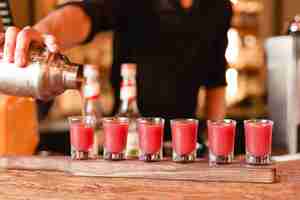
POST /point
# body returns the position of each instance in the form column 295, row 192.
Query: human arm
column 69, row 25
column 65, row 27
column 56, row 30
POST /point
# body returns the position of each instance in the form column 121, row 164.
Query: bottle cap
column 90, row 71
column 128, row 69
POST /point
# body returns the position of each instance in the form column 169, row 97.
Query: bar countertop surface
column 40, row 184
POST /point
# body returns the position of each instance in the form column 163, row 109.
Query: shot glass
column 221, row 135
column 82, row 137
column 184, row 139
column 115, row 137
column 258, row 135
column 150, row 132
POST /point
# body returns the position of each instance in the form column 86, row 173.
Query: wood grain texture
column 133, row 169
column 43, row 185
column 37, row 185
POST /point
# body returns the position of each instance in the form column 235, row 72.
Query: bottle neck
column 91, row 89
column 129, row 106
column 128, row 96
column 91, row 98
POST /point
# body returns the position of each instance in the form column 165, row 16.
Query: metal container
column 46, row 75
column 283, row 60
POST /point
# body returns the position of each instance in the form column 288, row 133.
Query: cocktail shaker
column 46, row 75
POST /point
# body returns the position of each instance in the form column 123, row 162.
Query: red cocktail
column 115, row 137
column 258, row 135
column 82, row 137
column 150, row 132
column 221, row 135
column 184, row 139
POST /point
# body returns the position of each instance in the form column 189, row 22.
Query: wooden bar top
column 45, row 184
column 135, row 169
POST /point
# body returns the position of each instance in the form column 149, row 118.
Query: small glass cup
column 258, row 135
column 115, row 137
column 221, row 135
column 82, row 137
column 184, row 139
column 151, row 131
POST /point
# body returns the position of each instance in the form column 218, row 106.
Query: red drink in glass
column 150, row 132
column 82, row 137
column 258, row 135
column 184, row 139
column 221, row 135
column 115, row 137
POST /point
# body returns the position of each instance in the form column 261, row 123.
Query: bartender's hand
column 17, row 43
column 59, row 23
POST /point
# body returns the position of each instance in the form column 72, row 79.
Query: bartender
column 178, row 45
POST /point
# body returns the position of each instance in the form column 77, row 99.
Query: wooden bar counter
column 37, row 184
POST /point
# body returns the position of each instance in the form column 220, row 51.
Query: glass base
column 150, row 157
column 215, row 159
column 80, row 155
column 258, row 160
column 113, row 156
column 184, row 158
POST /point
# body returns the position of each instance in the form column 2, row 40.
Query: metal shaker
column 46, row 75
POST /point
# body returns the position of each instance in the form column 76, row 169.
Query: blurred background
column 246, row 93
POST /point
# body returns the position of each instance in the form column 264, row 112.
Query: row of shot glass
column 221, row 137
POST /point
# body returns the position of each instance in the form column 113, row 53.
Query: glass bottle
column 92, row 105
column 128, row 107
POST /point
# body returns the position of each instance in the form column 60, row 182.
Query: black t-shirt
column 176, row 50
